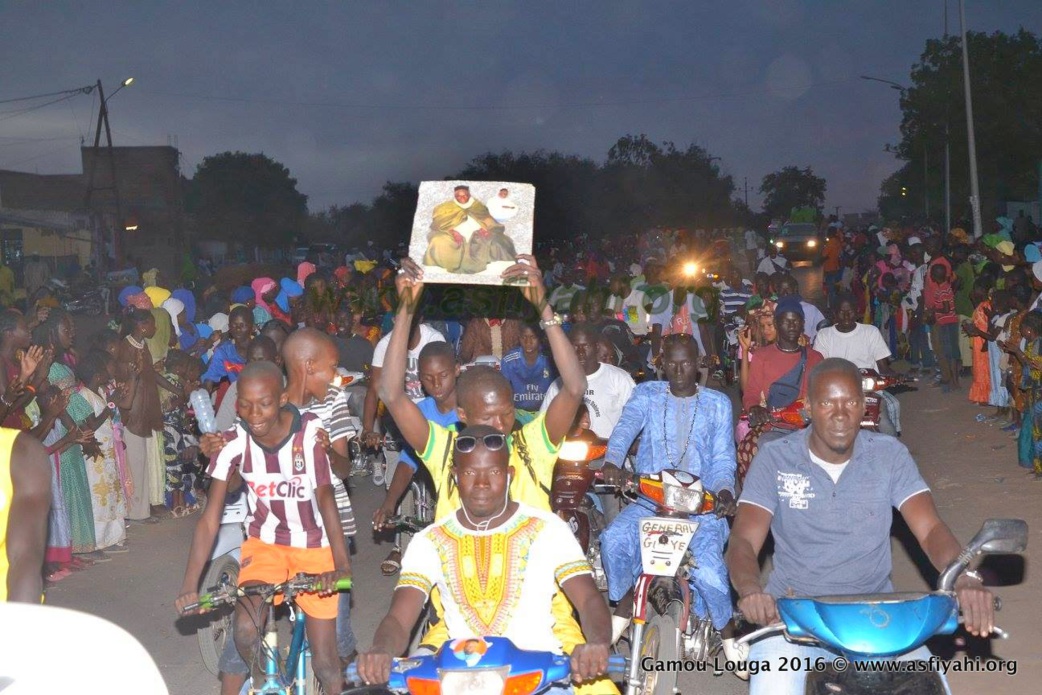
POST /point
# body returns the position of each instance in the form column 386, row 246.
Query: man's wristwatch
column 555, row 320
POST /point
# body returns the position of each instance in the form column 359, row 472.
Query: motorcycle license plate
column 663, row 542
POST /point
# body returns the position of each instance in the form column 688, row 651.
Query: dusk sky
column 351, row 94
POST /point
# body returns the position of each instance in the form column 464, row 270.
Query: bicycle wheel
column 217, row 632
column 418, row 503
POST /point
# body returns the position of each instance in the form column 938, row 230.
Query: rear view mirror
column 996, row 536
column 1001, row 536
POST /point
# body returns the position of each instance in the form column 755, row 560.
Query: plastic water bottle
column 203, row 411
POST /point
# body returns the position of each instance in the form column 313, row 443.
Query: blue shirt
column 430, row 411
column 831, row 538
column 529, row 382
column 704, row 448
column 224, row 363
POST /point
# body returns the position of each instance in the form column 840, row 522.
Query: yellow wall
column 47, row 243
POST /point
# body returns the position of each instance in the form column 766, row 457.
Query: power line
column 79, row 90
column 18, row 112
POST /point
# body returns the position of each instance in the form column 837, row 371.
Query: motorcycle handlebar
column 617, row 665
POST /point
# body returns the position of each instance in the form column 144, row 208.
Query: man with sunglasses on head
column 484, row 397
column 524, row 553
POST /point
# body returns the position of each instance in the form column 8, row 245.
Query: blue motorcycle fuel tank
column 870, row 626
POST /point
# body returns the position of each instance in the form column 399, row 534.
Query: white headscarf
column 174, row 307
column 219, row 322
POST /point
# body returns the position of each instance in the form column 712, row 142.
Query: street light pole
column 947, row 145
column 103, row 119
column 978, row 227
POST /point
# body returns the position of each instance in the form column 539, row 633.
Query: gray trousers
column 137, row 465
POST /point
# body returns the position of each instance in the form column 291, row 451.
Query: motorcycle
column 485, row 665
column 782, row 421
column 877, row 626
column 85, row 300
column 574, row 474
column 665, row 629
column 873, row 384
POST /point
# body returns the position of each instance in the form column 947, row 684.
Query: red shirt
column 938, row 298
column 770, row 364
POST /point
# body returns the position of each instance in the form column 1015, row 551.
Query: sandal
column 392, row 566
column 178, row 512
column 57, row 575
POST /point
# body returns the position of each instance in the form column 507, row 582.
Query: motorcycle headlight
column 683, row 499
column 812, row 243
column 491, row 681
column 574, row 451
column 868, row 384
column 780, row 244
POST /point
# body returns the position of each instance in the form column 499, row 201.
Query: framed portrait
column 469, row 232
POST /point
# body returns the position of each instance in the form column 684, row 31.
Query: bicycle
column 294, row 675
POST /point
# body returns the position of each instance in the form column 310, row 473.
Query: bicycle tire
column 215, row 634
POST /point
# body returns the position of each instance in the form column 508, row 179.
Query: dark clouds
column 351, row 94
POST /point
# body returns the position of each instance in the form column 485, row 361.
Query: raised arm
column 413, row 425
column 561, row 412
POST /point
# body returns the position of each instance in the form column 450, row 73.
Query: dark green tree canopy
column 791, row 188
column 1006, row 83
column 640, row 185
column 238, row 196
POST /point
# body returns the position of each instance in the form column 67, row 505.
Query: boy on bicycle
column 293, row 526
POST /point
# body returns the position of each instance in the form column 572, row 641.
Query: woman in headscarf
column 57, row 333
column 319, row 304
column 288, row 296
column 304, row 270
column 181, row 307
column 158, row 295
column 163, row 339
column 265, row 290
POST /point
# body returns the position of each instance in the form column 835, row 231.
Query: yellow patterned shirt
column 497, row 583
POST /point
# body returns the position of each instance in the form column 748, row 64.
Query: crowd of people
column 481, row 386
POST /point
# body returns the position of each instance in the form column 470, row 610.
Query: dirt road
column 970, row 466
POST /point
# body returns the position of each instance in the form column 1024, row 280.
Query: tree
column 1005, row 73
column 237, row 196
column 792, row 188
column 566, row 188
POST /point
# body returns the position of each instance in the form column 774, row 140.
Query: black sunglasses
column 493, row 442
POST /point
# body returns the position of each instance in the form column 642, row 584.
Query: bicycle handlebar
column 226, row 594
column 411, row 524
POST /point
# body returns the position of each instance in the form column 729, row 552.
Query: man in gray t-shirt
column 826, row 494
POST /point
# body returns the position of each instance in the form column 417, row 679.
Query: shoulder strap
column 526, row 459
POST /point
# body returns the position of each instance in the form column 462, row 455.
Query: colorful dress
column 177, row 440
column 980, row 389
column 72, row 469
column 107, row 497
column 1029, row 443
column 125, row 481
